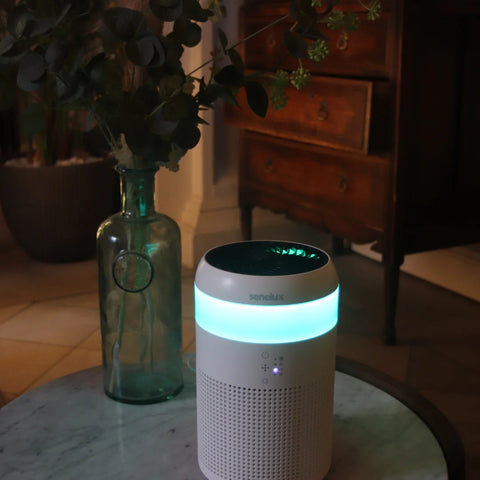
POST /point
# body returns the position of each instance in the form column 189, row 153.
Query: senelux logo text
column 271, row 297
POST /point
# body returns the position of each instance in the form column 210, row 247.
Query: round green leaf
column 207, row 95
column 222, row 36
column 167, row 84
column 257, row 98
column 236, row 59
column 188, row 33
column 167, row 10
column 302, row 11
column 31, row 72
column 147, row 96
column 6, row 44
column 230, row 76
column 20, row 21
column 160, row 55
column 159, row 125
column 55, row 56
column 140, row 51
column 187, row 134
column 96, row 70
column 146, row 51
column 194, row 11
column 124, row 23
column 144, row 143
column 66, row 8
column 173, row 53
column 65, row 88
column 179, row 107
column 28, row 86
column 295, row 45
column 42, row 25
column 32, row 67
column 81, row 7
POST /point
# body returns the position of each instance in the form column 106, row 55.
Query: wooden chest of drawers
column 366, row 52
column 309, row 184
column 336, row 114
column 381, row 147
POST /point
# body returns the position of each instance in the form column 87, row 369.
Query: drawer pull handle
column 343, row 184
column 322, row 111
column 342, row 42
column 269, row 165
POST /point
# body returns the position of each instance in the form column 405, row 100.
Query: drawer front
column 332, row 112
column 366, row 52
column 310, row 178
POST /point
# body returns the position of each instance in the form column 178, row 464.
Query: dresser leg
column 246, row 222
column 339, row 246
column 391, row 281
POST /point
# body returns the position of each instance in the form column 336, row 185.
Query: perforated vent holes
column 259, row 434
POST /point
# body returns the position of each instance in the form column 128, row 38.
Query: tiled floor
column 49, row 321
column 49, row 328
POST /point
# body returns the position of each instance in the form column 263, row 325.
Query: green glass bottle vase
column 139, row 267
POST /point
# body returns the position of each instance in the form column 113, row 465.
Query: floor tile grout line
column 71, row 349
column 192, row 342
column 26, row 306
column 89, row 335
column 63, row 297
column 53, row 298
column 33, row 304
column 45, row 344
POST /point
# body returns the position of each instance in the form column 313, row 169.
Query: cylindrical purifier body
column 266, row 315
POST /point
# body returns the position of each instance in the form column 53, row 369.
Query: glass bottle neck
column 137, row 188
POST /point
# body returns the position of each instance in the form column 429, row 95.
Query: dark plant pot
column 54, row 212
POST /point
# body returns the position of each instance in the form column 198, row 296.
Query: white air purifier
column 266, row 315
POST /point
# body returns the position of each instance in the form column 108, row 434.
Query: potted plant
column 114, row 64
column 57, row 187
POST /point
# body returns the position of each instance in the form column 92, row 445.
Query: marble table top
column 68, row 429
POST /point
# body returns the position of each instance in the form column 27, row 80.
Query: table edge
column 446, row 435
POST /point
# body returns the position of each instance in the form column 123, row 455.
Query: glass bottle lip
column 139, row 171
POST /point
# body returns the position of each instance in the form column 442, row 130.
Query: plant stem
column 117, row 348
column 252, row 35
column 107, row 134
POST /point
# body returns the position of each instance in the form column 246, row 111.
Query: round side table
column 69, row 429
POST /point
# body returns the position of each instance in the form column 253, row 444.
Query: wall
column 201, row 197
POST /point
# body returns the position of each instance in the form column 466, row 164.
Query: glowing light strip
column 266, row 323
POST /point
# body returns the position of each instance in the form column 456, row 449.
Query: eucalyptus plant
column 118, row 68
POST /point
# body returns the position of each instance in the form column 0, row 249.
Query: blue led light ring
column 266, row 323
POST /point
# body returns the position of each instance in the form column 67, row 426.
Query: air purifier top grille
column 266, row 272
column 266, row 258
